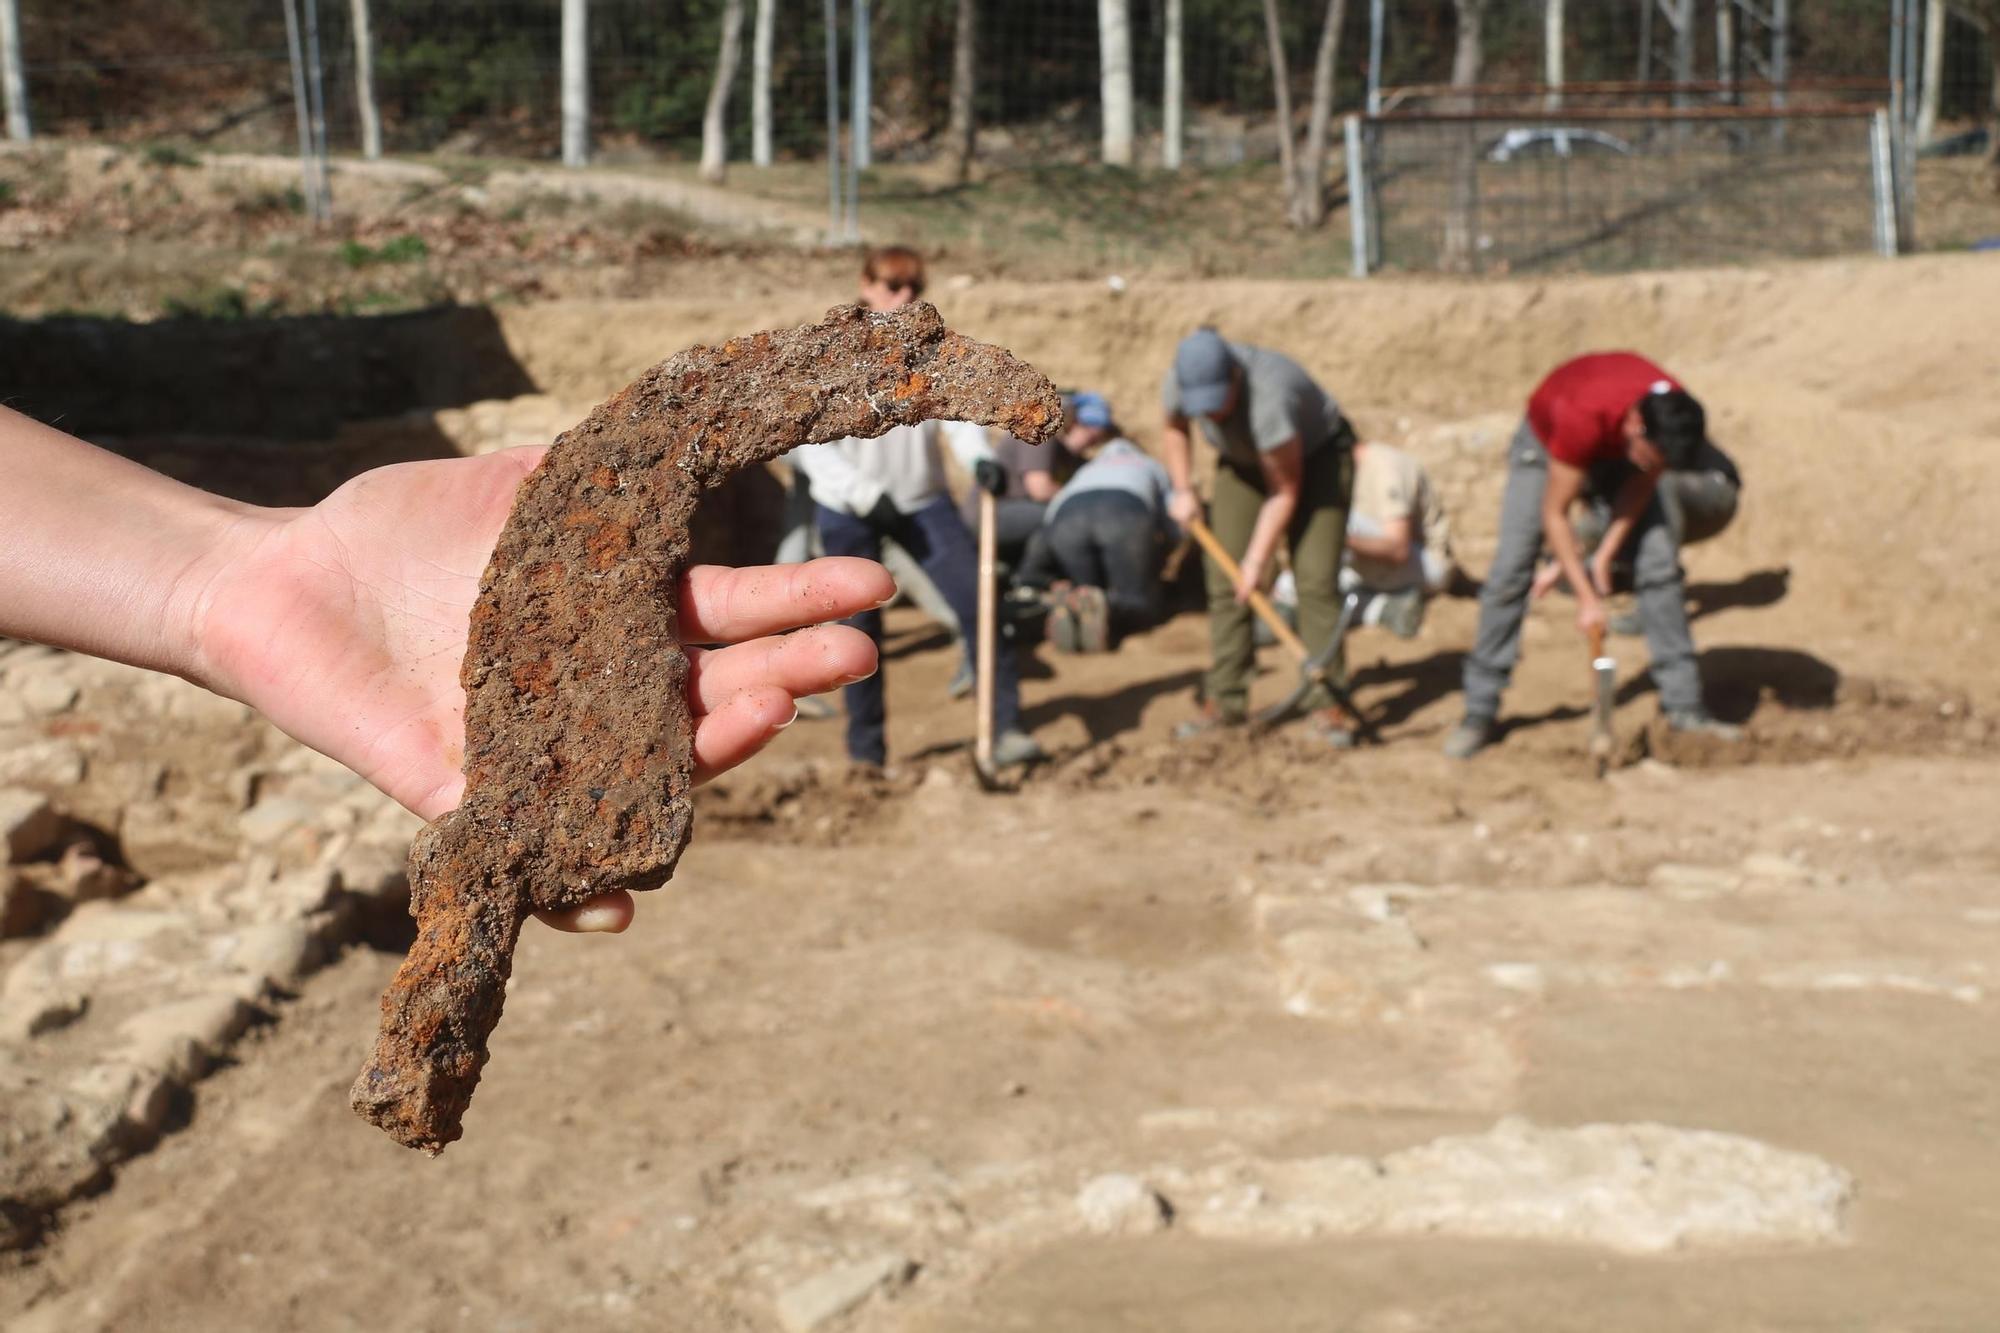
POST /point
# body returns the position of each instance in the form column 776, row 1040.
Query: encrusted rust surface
column 579, row 747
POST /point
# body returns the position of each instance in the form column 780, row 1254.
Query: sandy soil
column 878, row 1036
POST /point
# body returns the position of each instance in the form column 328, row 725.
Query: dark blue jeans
column 936, row 536
column 1104, row 539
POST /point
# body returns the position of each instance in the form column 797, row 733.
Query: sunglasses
column 914, row 286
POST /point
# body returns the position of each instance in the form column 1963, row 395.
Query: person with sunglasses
column 892, row 489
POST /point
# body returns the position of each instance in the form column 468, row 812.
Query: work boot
column 1402, row 613
column 1335, row 726
column 1015, row 747
column 1091, row 614
column 1698, row 722
column 1062, row 631
column 1469, row 737
column 1212, row 718
column 962, row 680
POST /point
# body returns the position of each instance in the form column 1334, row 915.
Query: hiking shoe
column 1213, row 718
column 962, row 681
column 1091, row 613
column 1701, row 724
column 1011, row 749
column 1468, row 738
column 1061, row 629
column 1402, row 613
column 1335, row 726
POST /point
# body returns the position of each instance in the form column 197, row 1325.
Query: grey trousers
column 1503, row 603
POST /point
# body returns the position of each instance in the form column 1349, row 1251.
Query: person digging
column 1285, row 468
column 1602, row 427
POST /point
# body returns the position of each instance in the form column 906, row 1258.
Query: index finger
column 720, row 604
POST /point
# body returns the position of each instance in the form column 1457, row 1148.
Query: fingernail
column 852, row 680
column 788, row 721
column 599, row 919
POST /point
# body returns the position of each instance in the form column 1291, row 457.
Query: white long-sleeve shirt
column 851, row 475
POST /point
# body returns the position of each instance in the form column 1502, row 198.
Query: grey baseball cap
column 1203, row 369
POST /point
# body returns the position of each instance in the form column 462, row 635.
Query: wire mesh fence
column 1536, row 192
column 483, row 78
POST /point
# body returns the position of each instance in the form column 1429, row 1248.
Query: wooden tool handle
column 982, row 744
column 1258, row 601
column 1596, row 638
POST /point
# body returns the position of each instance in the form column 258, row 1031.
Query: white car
column 1516, row 144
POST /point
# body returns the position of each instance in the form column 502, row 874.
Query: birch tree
column 761, row 36
column 715, row 124
column 1304, row 172
column 1468, row 57
column 1114, row 55
column 962, row 132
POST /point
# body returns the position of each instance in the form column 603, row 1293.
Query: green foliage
column 217, row 301
column 6, row 194
column 404, row 249
column 169, row 155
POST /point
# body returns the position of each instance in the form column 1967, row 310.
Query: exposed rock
column 1638, row 1188
column 29, row 825
column 46, row 695
column 819, row 1300
column 181, row 1039
column 1116, row 1204
column 269, row 820
column 50, row 763
column 163, row 838
column 23, row 906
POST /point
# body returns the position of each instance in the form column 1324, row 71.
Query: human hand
column 1183, row 507
column 1601, row 563
column 990, row 477
column 1249, row 578
column 1590, row 615
column 345, row 625
column 1546, row 578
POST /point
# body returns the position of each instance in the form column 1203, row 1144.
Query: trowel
column 1604, row 687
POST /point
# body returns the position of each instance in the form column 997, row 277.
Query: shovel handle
column 1596, row 639
column 1258, row 601
column 984, row 645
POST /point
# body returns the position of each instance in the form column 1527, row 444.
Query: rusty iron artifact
column 579, row 746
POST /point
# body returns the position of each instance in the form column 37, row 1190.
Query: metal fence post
column 860, row 119
column 575, row 83
column 1376, row 19
column 1357, row 198
column 13, row 78
column 1881, row 159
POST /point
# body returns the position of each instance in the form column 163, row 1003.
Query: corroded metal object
column 579, row 746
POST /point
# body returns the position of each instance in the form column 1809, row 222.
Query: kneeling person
column 1398, row 539
column 1105, row 534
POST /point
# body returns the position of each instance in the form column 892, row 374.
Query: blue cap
column 1090, row 409
column 1203, row 370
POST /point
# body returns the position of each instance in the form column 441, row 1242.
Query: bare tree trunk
column 364, row 80
column 1173, row 96
column 575, row 83
column 762, row 33
column 1308, row 203
column 1281, row 89
column 714, row 125
column 1114, row 53
column 963, row 132
column 1467, row 58
column 1552, row 52
column 1933, row 72
column 13, row 82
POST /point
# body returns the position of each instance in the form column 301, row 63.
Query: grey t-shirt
column 1119, row 466
column 1279, row 400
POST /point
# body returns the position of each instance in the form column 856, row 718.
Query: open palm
column 345, row 625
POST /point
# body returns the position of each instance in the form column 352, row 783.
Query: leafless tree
column 1114, row 53
column 762, row 34
column 1304, row 169
column 1468, row 57
column 961, row 134
column 715, row 124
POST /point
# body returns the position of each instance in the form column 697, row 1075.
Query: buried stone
column 579, row 746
